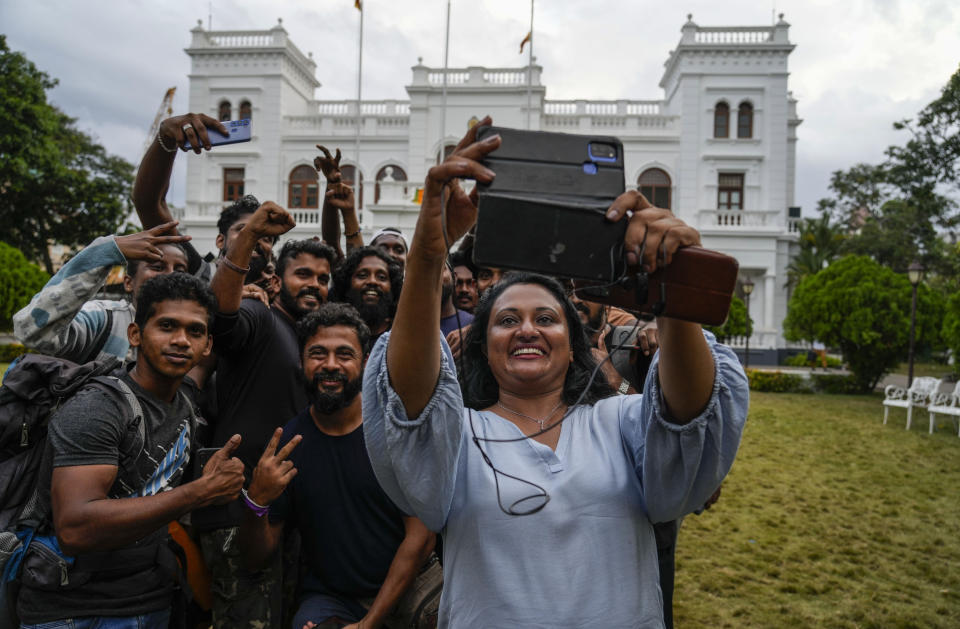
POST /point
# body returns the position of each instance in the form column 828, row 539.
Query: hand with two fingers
column 192, row 128
column 222, row 477
column 328, row 165
column 274, row 471
column 146, row 245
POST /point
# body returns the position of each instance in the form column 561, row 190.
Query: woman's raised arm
column 413, row 353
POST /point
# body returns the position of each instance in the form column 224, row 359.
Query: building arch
column 246, row 110
column 392, row 170
column 721, row 119
column 745, row 119
column 655, row 183
column 303, row 188
column 224, row 110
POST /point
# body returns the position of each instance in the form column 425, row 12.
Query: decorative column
column 769, row 294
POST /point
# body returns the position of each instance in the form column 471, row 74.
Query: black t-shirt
column 259, row 387
column 350, row 528
column 96, row 427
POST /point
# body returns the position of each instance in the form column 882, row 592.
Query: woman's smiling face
column 528, row 340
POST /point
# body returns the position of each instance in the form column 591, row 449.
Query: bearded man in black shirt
column 257, row 390
column 370, row 281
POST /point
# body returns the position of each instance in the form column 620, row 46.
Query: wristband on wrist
column 233, row 266
column 164, row 146
column 258, row 510
column 356, row 233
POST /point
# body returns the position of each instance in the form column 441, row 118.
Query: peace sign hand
column 273, row 472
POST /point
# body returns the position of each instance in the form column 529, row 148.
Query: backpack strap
column 134, row 403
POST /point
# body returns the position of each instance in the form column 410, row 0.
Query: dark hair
column 330, row 314
column 231, row 214
column 173, row 287
column 480, row 388
column 463, row 258
column 133, row 266
column 292, row 248
column 345, row 270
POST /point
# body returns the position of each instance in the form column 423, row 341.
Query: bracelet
column 164, row 146
column 233, row 266
column 259, row 510
column 356, row 233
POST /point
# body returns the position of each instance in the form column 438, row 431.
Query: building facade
column 719, row 148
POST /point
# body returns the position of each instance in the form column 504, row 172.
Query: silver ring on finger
column 187, row 126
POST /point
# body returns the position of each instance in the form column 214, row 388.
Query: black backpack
column 33, row 388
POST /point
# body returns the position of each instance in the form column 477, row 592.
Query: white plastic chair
column 946, row 404
column 917, row 396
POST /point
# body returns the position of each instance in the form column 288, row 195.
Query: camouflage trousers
column 245, row 599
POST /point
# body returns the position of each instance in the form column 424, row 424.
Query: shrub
column 737, row 323
column 864, row 309
column 803, row 360
column 777, row 382
column 834, row 383
column 19, row 282
column 951, row 330
column 11, row 351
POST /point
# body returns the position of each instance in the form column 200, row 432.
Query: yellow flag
column 529, row 37
column 357, row 5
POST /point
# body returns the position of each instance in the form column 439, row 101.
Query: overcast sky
column 859, row 65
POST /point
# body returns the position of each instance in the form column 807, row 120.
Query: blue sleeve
column 415, row 460
column 681, row 465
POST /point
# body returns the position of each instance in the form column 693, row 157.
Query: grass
column 828, row 519
column 935, row 370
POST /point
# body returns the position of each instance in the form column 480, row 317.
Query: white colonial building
column 719, row 148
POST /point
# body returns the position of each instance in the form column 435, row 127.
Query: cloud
column 858, row 65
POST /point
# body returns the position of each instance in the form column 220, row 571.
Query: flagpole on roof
column 356, row 169
column 443, row 97
column 530, row 70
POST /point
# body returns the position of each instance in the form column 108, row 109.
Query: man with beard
column 361, row 552
column 451, row 317
column 370, row 281
column 257, row 370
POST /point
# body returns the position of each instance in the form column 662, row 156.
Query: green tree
column 57, row 185
column 905, row 208
column 951, row 329
column 820, row 242
column 19, row 282
column 737, row 324
column 863, row 309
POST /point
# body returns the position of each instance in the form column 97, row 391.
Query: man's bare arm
column 86, row 520
column 153, row 175
column 413, row 551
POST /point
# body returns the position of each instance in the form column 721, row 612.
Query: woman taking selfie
column 545, row 523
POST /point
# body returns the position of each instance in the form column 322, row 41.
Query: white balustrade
column 740, row 219
column 734, row 35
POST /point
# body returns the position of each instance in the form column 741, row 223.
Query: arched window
column 449, row 148
column 389, row 174
column 304, row 187
column 348, row 175
column 745, row 121
column 721, row 120
column 654, row 184
column 224, row 112
column 245, row 110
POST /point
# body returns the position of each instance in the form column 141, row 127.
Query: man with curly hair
column 370, row 281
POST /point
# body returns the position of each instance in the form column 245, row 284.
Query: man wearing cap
column 392, row 242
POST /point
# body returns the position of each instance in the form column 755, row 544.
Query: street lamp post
column 747, row 286
column 915, row 275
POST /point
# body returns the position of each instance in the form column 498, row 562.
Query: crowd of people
column 313, row 418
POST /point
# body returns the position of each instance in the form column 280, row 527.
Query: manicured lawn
column 936, row 370
column 3, row 370
column 828, row 519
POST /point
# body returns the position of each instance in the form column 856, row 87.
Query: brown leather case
column 696, row 286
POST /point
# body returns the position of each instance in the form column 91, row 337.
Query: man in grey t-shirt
column 113, row 484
